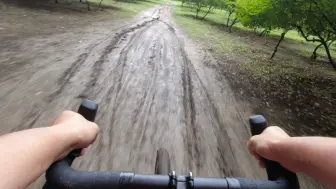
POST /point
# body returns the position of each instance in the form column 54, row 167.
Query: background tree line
column 314, row 20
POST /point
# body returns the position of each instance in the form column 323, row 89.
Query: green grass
column 219, row 18
column 203, row 30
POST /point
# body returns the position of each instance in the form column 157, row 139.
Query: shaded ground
column 154, row 88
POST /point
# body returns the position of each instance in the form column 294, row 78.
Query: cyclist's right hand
column 80, row 131
column 265, row 144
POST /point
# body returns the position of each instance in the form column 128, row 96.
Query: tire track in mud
column 192, row 135
column 225, row 155
column 137, row 119
column 119, row 79
column 67, row 75
column 191, row 139
column 30, row 118
column 156, row 68
column 35, row 112
column 97, row 67
column 147, row 100
column 121, row 86
column 225, row 150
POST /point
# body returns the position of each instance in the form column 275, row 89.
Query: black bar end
column 258, row 124
column 88, row 109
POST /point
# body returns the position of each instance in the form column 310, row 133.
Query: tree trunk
column 263, row 32
column 207, row 13
column 329, row 55
column 197, row 10
column 88, row 5
column 233, row 23
column 314, row 55
column 228, row 19
column 100, row 3
column 280, row 40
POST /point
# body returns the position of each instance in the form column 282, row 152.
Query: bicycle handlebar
column 60, row 175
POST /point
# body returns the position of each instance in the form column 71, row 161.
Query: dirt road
column 154, row 87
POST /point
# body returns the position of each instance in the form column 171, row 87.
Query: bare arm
column 25, row 155
column 314, row 156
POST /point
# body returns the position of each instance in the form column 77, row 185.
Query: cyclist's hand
column 80, row 131
column 263, row 144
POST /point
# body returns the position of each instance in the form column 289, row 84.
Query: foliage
column 318, row 23
column 230, row 7
column 315, row 20
column 253, row 13
column 210, row 5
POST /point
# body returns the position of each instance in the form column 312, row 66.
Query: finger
column 257, row 157
column 83, row 152
column 275, row 130
column 66, row 115
column 251, row 145
column 261, row 164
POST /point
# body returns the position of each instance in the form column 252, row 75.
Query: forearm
column 311, row 155
column 32, row 151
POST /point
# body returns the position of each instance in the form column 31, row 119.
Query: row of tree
column 314, row 20
column 87, row 3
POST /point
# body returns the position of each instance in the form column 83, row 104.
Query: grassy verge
column 290, row 84
column 219, row 18
column 125, row 9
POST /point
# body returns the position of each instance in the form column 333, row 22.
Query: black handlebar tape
column 274, row 170
column 246, row 183
column 62, row 176
column 88, row 109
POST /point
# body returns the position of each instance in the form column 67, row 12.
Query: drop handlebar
column 60, row 175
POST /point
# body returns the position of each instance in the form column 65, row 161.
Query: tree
column 230, row 7
column 314, row 54
column 317, row 24
column 182, row 1
column 267, row 14
column 211, row 5
column 197, row 5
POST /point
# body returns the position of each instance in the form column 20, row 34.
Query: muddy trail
column 155, row 90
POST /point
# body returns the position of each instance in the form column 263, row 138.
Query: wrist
column 286, row 154
column 65, row 138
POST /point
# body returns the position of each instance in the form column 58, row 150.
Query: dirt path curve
column 153, row 88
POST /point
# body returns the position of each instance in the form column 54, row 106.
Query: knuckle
column 67, row 113
column 94, row 126
column 252, row 142
column 274, row 127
